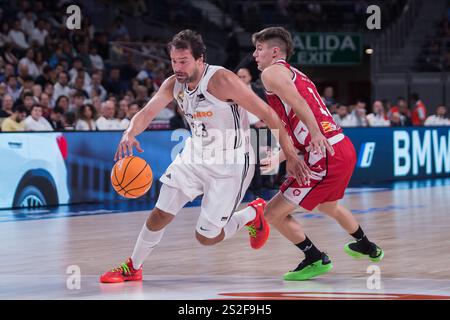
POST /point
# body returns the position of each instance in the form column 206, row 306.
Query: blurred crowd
column 52, row 78
column 383, row 113
column 435, row 53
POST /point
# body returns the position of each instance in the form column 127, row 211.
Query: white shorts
column 223, row 188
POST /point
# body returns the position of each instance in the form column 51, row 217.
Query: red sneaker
column 258, row 229
column 125, row 272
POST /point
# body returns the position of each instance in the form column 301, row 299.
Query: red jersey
column 296, row 129
column 419, row 114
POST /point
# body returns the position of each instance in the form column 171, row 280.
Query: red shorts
column 330, row 178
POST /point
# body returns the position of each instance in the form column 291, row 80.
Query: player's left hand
column 320, row 145
column 296, row 167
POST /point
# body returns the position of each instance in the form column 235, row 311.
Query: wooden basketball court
column 40, row 257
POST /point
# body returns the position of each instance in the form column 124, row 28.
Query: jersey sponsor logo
column 200, row 114
column 366, row 154
column 203, row 229
column 180, row 96
column 328, row 126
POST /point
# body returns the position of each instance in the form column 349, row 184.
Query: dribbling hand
column 125, row 147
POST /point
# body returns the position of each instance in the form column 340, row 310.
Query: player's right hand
column 125, row 147
column 297, row 167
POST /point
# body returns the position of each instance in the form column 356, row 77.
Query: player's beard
column 183, row 77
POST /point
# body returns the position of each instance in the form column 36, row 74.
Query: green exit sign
column 327, row 48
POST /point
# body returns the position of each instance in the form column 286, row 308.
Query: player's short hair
column 279, row 35
column 189, row 39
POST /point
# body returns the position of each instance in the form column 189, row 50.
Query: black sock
column 363, row 243
column 309, row 249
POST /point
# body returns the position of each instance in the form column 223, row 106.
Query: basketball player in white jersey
column 211, row 98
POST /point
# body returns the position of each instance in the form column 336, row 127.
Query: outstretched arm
column 143, row 118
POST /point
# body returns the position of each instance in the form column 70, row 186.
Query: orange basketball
column 131, row 177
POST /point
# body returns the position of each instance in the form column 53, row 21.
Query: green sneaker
column 375, row 255
column 308, row 270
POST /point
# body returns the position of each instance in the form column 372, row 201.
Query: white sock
column 238, row 221
column 145, row 243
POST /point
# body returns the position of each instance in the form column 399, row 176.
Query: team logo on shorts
column 297, row 192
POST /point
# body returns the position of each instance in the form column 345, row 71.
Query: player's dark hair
column 276, row 33
column 189, row 39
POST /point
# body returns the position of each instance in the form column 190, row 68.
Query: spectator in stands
column 27, row 23
column 15, row 122
column 246, row 77
column 141, row 95
column 419, row 111
column 357, row 117
column 132, row 110
column 328, row 97
column 63, row 103
column 395, row 119
column 4, row 29
column 37, row 91
column 49, row 90
column 61, row 87
column 39, row 35
column 17, row 37
column 7, row 106
column 28, row 60
column 78, row 70
column 404, row 114
column 35, row 121
column 114, row 84
column 48, row 75
column 147, row 71
column 44, row 101
column 13, row 88
column 27, row 83
column 386, row 106
column 123, row 109
column 377, row 118
column 96, row 59
column 119, row 30
column 342, row 117
column 8, row 71
column 86, row 118
column 57, row 118
column 27, row 100
column 79, row 86
column 96, row 88
column 167, row 113
column 77, row 101
column 70, row 119
column 107, row 120
column 438, row 119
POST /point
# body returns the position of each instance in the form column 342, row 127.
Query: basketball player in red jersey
column 295, row 99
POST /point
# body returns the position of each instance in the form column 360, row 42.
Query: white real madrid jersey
column 215, row 124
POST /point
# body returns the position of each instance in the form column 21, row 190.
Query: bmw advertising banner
column 75, row 167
